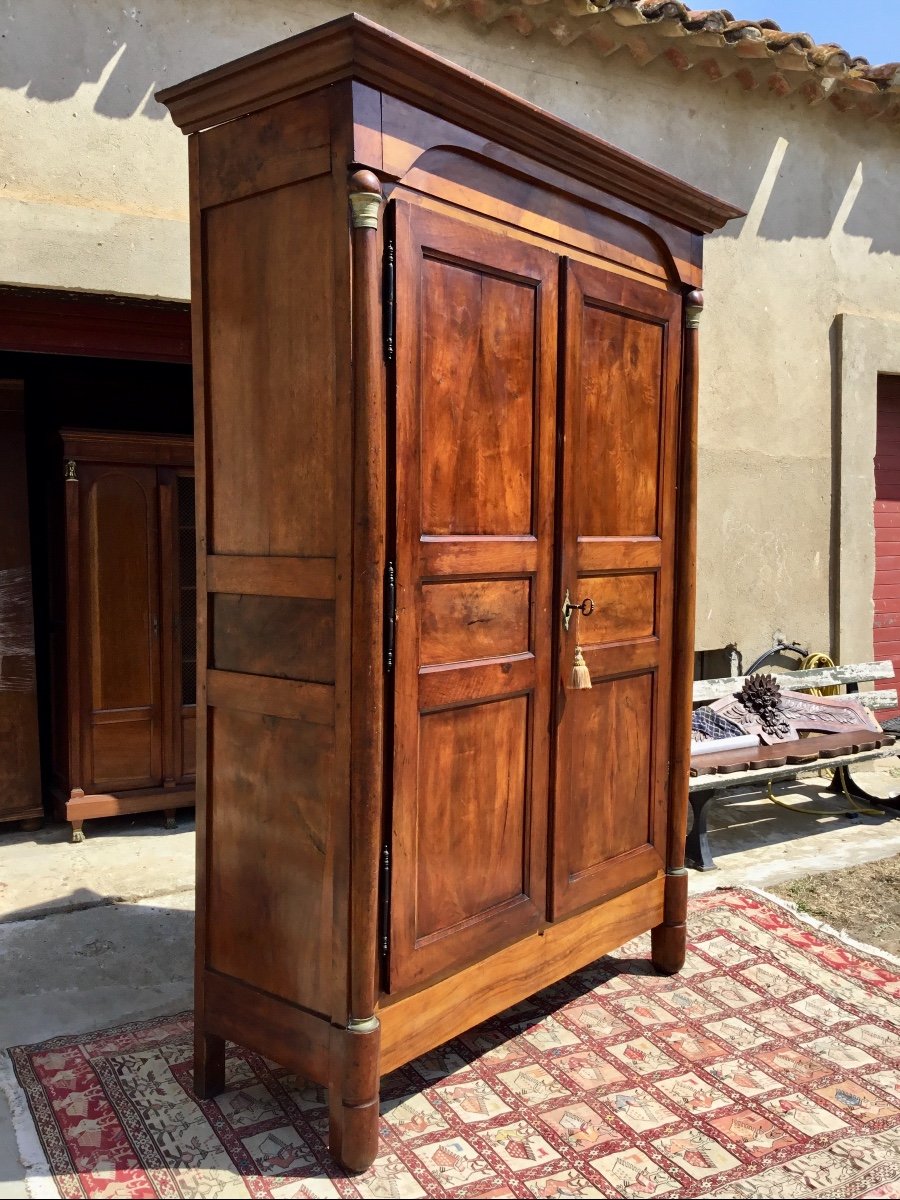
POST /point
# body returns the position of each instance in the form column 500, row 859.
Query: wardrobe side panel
column 270, row 373
column 270, row 454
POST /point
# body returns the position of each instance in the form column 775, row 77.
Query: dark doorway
column 89, row 363
column 886, row 634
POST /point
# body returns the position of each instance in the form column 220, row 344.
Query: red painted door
column 887, row 528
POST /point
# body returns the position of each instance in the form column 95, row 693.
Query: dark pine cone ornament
column 761, row 695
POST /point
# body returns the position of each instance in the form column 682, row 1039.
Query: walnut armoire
column 445, row 413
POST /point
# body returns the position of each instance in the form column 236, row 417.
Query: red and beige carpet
column 769, row 1068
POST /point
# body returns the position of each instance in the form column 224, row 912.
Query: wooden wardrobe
column 445, row 384
column 125, row 624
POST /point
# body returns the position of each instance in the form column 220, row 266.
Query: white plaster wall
column 93, row 196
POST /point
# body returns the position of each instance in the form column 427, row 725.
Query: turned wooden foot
column 353, row 1098
column 209, row 1065
column 77, row 832
column 668, row 941
column 171, row 822
column 668, row 948
column 32, row 825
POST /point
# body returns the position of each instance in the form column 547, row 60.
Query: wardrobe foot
column 209, row 1065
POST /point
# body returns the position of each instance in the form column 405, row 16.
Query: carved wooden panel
column 476, row 323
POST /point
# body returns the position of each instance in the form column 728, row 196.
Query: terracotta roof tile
column 758, row 54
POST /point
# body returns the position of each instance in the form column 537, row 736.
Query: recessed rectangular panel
column 477, row 395
column 270, row 799
column 609, row 797
column 472, row 818
column 281, row 636
column 624, row 608
column 271, row 441
column 482, row 618
column 619, row 416
column 121, row 515
column 123, row 753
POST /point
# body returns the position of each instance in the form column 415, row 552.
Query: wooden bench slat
column 752, row 779
column 876, row 700
column 716, row 689
column 803, row 751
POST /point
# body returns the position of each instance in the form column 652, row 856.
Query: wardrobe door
column 621, row 364
column 475, row 399
column 121, row 725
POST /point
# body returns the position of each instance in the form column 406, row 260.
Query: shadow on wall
column 52, row 60
column 800, row 191
column 125, row 52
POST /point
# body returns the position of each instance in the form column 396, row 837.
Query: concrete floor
column 90, row 936
column 102, row 933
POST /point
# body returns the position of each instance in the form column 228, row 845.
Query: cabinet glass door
column 620, row 370
column 475, row 403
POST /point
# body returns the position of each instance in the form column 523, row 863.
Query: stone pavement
column 757, row 844
column 91, row 935
column 102, row 933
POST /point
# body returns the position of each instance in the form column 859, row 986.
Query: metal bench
column 713, row 775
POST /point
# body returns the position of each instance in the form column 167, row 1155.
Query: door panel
column 610, row 742
column 480, row 618
column 477, row 414
column 619, row 393
column 476, row 750
column 475, row 400
column 617, row 422
column 121, row 575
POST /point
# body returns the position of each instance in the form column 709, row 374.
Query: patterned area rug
column 769, row 1068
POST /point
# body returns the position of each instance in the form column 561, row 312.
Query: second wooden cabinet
column 126, row 673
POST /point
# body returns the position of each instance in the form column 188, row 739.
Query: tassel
column 581, row 676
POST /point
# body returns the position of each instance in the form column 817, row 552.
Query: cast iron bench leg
column 857, row 791
column 696, row 847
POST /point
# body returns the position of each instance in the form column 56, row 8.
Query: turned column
column 669, row 940
column 354, row 1088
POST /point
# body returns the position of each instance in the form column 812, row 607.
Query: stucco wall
column 93, row 188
